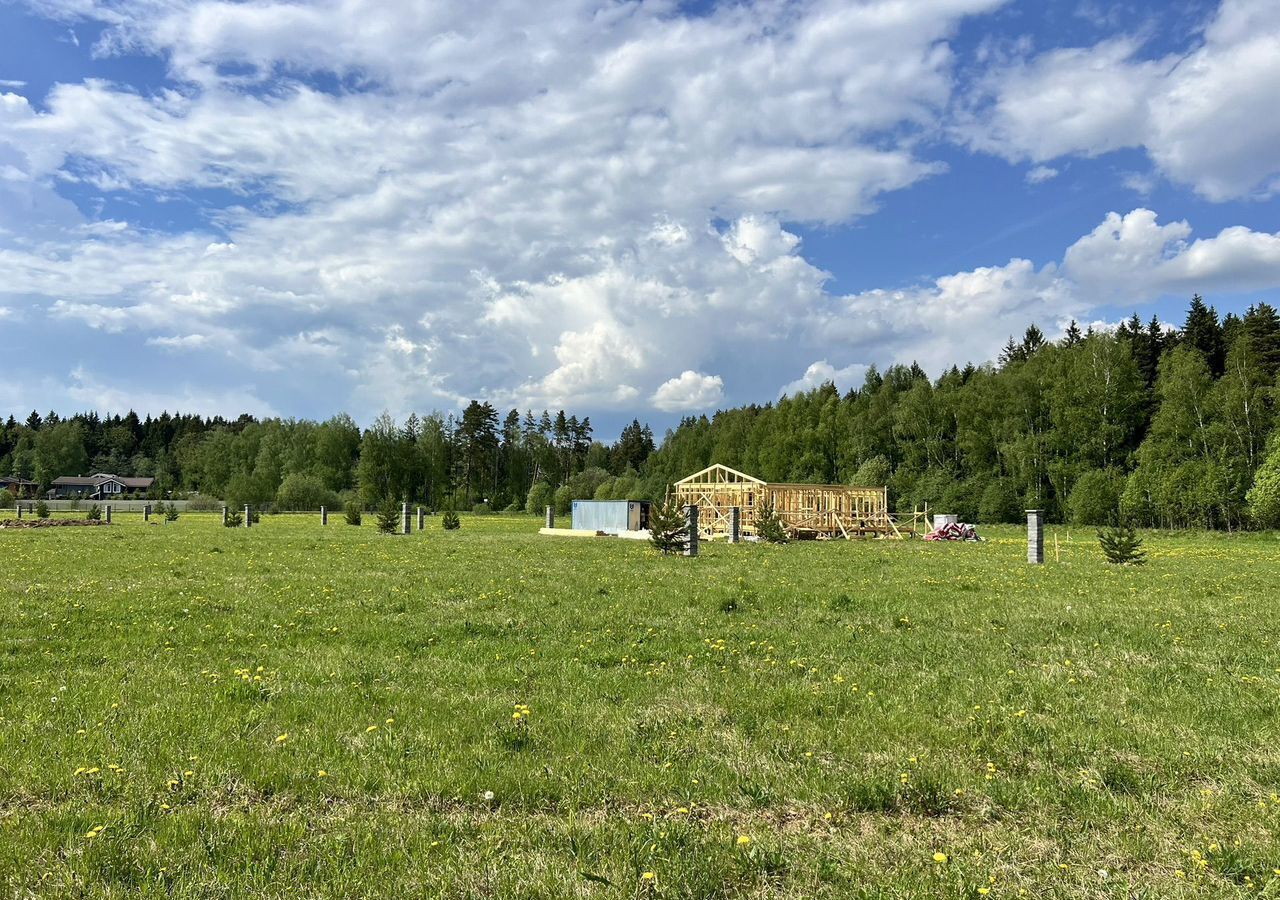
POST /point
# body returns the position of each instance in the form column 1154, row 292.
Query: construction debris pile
column 46, row 523
column 953, row 531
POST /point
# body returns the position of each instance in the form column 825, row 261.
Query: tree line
column 1148, row 423
column 1156, row 425
column 441, row 460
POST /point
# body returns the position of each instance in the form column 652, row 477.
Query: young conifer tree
column 1122, row 546
column 668, row 528
column 388, row 516
column 769, row 525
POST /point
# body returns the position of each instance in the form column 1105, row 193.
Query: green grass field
column 291, row 711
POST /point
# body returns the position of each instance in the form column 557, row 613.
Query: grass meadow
column 297, row 711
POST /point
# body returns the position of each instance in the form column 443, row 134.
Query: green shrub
column 354, row 512
column 388, row 519
column 873, row 473
column 42, row 510
column 541, row 495
column 1095, row 497
column 234, row 519
column 202, row 503
column 1122, row 546
column 963, row 499
column 481, row 509
column 299, row 491
column 170, row 512
column 563, row 500
column 769, row 525
column 999, row 503
column 94, row 514
column 6, row 497
column 1264, row 497
column 450, row 521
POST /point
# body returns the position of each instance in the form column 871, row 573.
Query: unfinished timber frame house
column 806, row 510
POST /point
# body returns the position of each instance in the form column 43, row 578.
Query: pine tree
column 1122, row 546
column 388, row 516
column 1013, row 352
column 668, row 527
column 1203, row 332
column 1261, row 327
column 1032, row 340
column 450, row 521
column 1073, row 335
column 769, row 526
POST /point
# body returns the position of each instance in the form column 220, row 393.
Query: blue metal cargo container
column 610, row 516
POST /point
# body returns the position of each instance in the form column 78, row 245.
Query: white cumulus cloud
column 689, row 391
column 1206, row 117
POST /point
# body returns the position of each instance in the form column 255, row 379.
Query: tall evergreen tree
column 1203, row 332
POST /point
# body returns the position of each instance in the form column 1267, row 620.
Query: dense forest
column 1150, row 423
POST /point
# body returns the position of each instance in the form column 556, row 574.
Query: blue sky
column 623, row 209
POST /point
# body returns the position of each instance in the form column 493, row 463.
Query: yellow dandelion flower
column 648, row 876
column 743, row 840
column 282, row 738
column 939, row 857
column 370, row 729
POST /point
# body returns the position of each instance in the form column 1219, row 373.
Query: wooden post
column 691, row 524
column 422, row 518
column 248, row 516
column 19, row 508
column 551, row 517
column 108, row 513
column 324, row 516
column 404, row 512
column 1035, row 537
column 224, row 515
column 735, row 525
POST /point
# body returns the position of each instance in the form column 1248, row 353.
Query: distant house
column 98, row 487
column 19, row 487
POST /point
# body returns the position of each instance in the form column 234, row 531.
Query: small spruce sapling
column 42, row 510
column 668, row 527
column 354, row 513
column 769, row 525
column 450, row 521
column 1122, row 546
column 170, row 512
column 94, row 514
column 234, row 519
column 388, row 516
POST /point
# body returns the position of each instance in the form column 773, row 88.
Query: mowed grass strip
column 290, row 710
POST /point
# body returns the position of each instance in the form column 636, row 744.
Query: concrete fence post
column 146, row 512
column 404, row 513
column 108, row 513
column 324, row 516
column 19, row 508
column 224, row 515
column 551, row 517
column 422, row 518
column 691, row 525
column 735, row 524
column 248, row 516
column 1035, row 536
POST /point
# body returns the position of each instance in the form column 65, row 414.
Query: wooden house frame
column 830, row 510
